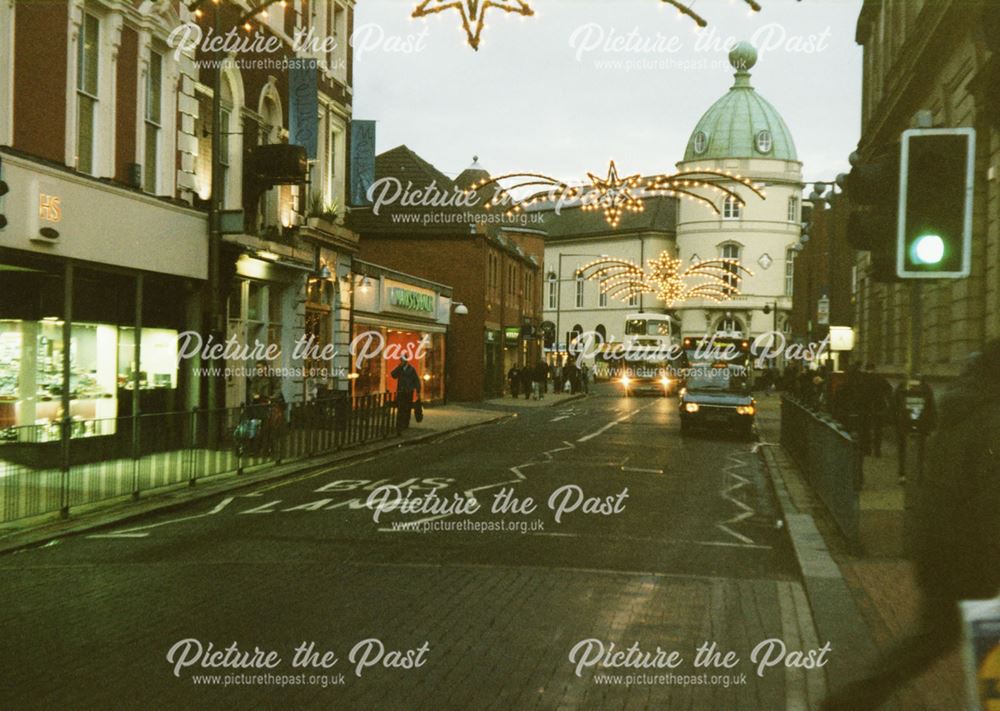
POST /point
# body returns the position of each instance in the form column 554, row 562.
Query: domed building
column 744, row 134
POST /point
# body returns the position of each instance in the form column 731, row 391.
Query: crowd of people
column 534, row 381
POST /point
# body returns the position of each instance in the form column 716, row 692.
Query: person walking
column 407, row 387
column 514, row 381
column 541, row 377
column 915, row 412
column 879, row 392
column 955, row 543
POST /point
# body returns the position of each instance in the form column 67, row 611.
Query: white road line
column 561, row 417
column 727, row 491
column 613, row 423
column 640, row 469
column 121, row 534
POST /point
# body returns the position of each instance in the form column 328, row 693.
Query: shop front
column 397, row 316
column 98, row 286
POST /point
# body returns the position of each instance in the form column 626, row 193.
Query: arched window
column 553, row 285
column 579, row 291
column 602, row 332
column 602, row 299
column 730, row 326
column 732, row 251
column 732, row 209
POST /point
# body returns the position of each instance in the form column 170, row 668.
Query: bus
column 650, row 330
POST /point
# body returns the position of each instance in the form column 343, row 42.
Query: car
column 649, row 378
column 717, row 397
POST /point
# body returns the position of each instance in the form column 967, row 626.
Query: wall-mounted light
column 366, row 285
column 267, row 256
column 324, row 272
column 460, row 309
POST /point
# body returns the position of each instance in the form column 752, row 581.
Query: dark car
column 718, row 397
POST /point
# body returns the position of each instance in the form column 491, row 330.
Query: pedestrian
column 557, row 376
column 541, row 377
column 850, row 405
column 527, row 381
column 514, row 381
column 407, row 388
column 956, row 531
column 914, row 413
column 880, row 393
column 571, row 373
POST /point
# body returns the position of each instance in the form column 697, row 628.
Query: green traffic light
column 927, row 249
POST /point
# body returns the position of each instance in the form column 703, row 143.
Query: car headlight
column 745, row 410
column 691, row 407
column 626, row 380
column 665, row 382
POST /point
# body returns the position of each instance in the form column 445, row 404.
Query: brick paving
column 883, row 584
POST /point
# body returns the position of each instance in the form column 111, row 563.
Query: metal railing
column 46, row 469
column 831, row 459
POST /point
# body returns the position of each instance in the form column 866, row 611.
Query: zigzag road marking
column 727, row 493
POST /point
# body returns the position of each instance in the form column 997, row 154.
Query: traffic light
column 934, row 239
column 873, row 189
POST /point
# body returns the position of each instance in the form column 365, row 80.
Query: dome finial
column 743, row 56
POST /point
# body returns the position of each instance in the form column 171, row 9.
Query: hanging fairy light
column 716, row 279
column 473, row 13
column 685, row 10
column 615, row 195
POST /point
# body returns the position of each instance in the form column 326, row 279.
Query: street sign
column 823, row 311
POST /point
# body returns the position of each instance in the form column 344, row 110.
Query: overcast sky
column 553, row 93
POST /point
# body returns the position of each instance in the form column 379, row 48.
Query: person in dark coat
column 914, row 412
column 572, row 376
column 407, row 386
column 514, row 381
column 879, row 392
column 541, row 377
column 955, row 542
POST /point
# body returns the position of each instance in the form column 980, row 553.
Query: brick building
column 493, row 267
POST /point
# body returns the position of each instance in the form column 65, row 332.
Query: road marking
column 122, row 534
column 613, row 423
column 727, row 491
column 561, row 417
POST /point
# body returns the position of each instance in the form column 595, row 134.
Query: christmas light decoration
column 473, row 13
column 720, row 279
column 684, row 9
column 615, row 195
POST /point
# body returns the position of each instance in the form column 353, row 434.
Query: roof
column 659, row 215
column 741, row 124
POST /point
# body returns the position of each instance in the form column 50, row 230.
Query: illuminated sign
column 411, row 300
column 49, row 207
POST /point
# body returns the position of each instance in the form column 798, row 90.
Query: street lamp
column 460, row 309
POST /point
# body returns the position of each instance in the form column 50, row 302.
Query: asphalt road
column 663, row 541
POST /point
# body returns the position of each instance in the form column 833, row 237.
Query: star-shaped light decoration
column 473, row 13
column 720, row 279
column 614, row 195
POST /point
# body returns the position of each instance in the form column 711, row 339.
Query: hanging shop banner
column 362, row 161
column 303, row 108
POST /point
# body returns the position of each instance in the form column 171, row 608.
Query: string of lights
column 615, row 195
column 720, row 279
column 473, row 13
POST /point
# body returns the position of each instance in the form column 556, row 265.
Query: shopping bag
column 418, row 411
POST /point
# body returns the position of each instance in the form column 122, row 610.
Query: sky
column 586, row 81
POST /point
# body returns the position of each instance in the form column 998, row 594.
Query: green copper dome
column 742, row 124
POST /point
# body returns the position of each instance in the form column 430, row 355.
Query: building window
column 731, row 252
column 602, row 333
column 633, row 300
column 793, row 208
column 154, row 81
column 731, row 208
column 789, row 271
column 331, row 166
column 763, row 141
column 553, row 285
column 602, row 300
column 730, row 326
column 579, row 291
column 225, row 115
column 86, row 91
column 700, row 142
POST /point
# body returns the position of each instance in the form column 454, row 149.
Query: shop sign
column 512, row 334
column 823, row 311
column 411, row 300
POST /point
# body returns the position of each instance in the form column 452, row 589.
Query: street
column 479, row 619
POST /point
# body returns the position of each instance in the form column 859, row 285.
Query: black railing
column 830, row 458
column 127, row 456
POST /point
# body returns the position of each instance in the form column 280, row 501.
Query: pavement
column 863, row 601
column 438, row 422
column 663, row 545
column 550, row 400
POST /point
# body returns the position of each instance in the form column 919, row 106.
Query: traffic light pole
column 916, row 329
